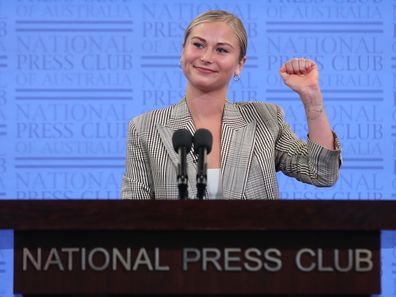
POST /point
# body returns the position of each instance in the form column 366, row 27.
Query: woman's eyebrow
column 219, row 43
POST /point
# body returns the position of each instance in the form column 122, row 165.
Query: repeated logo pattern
column 73, row 72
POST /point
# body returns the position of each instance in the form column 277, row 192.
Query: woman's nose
column 206, row 57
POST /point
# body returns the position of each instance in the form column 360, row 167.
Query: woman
column 251, row 141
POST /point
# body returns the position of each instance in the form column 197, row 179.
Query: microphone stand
column 202, row 146
column 182, row 141
column 182, row 177
column 202, row 178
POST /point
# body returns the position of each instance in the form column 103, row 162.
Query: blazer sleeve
column 306, row 161
column 137, row 178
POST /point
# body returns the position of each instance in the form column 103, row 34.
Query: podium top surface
column 166, row 215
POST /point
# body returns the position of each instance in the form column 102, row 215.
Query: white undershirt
column 214, row 186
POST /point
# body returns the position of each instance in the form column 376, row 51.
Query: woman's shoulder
column 262, row 108
column 152, row 117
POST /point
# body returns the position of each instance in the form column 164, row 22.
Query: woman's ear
column 240, row 65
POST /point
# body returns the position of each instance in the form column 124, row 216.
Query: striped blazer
column 256, row 142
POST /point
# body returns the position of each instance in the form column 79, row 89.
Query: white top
column 214, row 185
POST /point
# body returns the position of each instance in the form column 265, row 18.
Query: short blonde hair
column 221, row 16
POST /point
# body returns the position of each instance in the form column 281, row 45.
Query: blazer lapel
column 237, row 141
column 180, row 118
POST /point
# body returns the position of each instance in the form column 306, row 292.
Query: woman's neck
column 206, row 105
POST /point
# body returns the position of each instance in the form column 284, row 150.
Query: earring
column 236, row 77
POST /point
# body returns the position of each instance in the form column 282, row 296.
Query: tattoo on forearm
column 313, row 111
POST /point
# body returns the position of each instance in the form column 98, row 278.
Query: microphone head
column 203, row 139
column 182, row 138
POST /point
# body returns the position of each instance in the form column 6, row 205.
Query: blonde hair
column 221, row 16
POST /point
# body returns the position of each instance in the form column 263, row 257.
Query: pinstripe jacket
column 255, row 143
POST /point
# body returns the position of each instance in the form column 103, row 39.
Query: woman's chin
column 206, row 86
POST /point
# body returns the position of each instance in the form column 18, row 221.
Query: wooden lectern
column 227, row 247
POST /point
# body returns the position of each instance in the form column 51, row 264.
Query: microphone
column 182, row 141
column 202, row 146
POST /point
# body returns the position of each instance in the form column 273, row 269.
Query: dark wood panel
column 197, row 215
column 195, row 295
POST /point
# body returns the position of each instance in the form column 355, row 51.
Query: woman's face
column 210, row 56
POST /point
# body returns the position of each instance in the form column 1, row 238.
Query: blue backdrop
column 73, row 72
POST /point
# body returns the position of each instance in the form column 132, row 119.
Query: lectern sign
column 219, row 259
column 197, row 262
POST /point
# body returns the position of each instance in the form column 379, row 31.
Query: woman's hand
column 302, row 76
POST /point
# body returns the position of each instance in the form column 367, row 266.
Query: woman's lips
column 204, row 70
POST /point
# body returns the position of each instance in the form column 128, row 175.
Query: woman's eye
column 222, row 50
column 198, row 44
